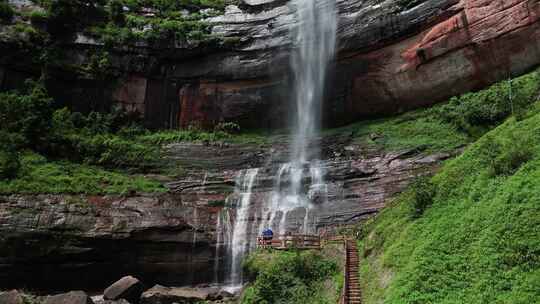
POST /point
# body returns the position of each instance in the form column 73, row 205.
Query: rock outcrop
column 390, row 59
column 11, row 297
column 48, row 241
column 169, row 295
column 72, row 297
column 128, row 288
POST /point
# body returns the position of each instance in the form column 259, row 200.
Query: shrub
column 91, row 139
column 227, row 127
column 512, row 154
column 6, row 12
column 288, row 277
column 38, row 17
column 116, row 12
column 113, row 151
column 27, row 115
column 9, row 163
column 67, row 16
column 475, row 112
column 191, row 134
column 423, row 191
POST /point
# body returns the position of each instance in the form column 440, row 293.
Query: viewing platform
column 292, row 241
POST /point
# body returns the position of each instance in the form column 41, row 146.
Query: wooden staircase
column 352, row 293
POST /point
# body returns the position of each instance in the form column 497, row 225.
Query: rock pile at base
column 127, row 290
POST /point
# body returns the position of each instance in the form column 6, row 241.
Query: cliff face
column 47, row 241
column 59, row 242
column 390, row 60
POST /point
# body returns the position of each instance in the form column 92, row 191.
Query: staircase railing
column 290, row 241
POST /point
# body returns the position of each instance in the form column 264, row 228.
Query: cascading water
column 300, row 181
column 315, row 39
column 240, row 241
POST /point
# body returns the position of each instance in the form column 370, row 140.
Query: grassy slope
column 450, row 125
column 408, row 131
column 42, row 176
column 480, row 240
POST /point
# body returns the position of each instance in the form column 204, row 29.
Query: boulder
column 223, row 294
column 11, row 297
column 181, row 295
column 128, row 288
column 101, row 300
column 72, row 297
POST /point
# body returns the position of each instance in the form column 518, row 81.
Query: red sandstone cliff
column 390, row 60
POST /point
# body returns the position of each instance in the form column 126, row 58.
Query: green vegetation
column 292, row 277
column 6, row 12
column 447, row 126
column 28, row 121
column 40, row 33
column 71, row 145
column 422, row 192
column 44, row 150
column 415, row 130
column 39, row 175
column 117, row 22
column 195, row 134
column 471, row 233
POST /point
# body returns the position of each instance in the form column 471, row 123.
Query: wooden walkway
column 351, row 286
column 352, row 283
column 295, row 241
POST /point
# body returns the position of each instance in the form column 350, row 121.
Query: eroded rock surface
column 171, row 238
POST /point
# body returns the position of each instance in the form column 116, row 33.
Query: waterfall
column 314, row 36
column 315, row 39
column 240, row 242
column 299, row 183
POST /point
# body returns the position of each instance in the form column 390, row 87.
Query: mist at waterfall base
column 298, row 185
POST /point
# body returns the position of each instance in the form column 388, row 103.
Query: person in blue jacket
column 267, row 234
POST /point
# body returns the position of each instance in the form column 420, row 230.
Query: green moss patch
column 39, row 175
